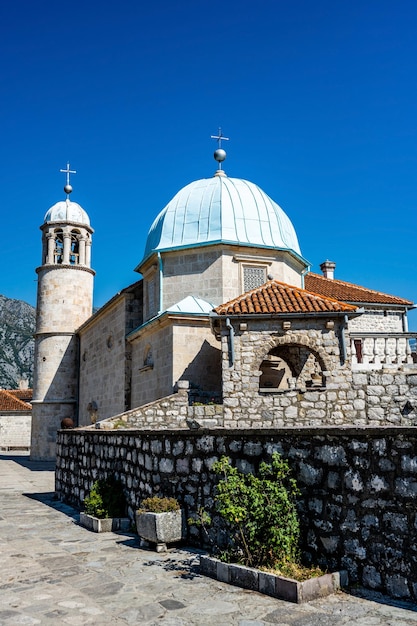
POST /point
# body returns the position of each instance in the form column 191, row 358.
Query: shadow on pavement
column 379, row 598
column 50, row 499
column 25, row 461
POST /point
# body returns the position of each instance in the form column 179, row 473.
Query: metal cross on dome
column 68, row 171
column 219, row 137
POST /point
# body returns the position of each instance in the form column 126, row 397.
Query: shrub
column 156, row 504
column 106, row 499
column 260, row 513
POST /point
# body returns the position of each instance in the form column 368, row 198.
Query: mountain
column 17, row 325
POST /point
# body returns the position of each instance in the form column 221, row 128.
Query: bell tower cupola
column 64, row 302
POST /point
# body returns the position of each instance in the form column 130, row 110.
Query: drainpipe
column 161, row 293
column 343, row 338
column 303, row 273
column 405, row 321
column 231, row 342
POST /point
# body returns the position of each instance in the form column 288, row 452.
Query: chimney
column 328, row 269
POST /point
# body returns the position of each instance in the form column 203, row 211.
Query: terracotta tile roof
column 348, row 292
column 277, row 297
column 8, row 402
column 22, row 394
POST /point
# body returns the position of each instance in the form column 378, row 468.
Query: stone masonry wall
column 383, row 398
column 358, row 487
column 347, row 398
column 377, row 322
column 15, row 431
column 170, row 412
column 102, row 365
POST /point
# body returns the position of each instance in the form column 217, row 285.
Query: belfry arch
column 292, row 362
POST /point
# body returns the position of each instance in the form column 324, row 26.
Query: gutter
column 343, row 339
column 161, row 292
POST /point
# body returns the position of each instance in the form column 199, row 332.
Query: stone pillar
column 88, row 253
column 67, row 248
column 81, row 251
column 51, row 248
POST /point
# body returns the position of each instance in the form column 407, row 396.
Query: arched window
column 59, row 247
column 290, row 366
column 75, row 247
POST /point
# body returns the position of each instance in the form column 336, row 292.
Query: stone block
column 161, row 528
column 267, row 583
column 222, row 572
column 208, row 566
column 109, row 524
column 242, row 576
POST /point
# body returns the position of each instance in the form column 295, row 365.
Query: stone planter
column 160, row 528
column 272, row 584
column 109, row 524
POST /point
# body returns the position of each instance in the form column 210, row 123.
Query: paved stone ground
column 52, row 571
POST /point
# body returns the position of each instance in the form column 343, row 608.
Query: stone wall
column 215, row 273
column 173, row 411
column 102, row 365
column 374, row 399
column 374, row 321
column 171, row 349
column 344, row 397
column 15, row 430
column 105, row 357
column 358, row 487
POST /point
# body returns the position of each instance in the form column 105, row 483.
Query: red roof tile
column 22, row 394
column 8, row 402
column 348, row 292
column 277, row 297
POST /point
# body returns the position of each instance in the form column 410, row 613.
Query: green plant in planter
column 105, row 499
column 157, row 504
column 260, row 513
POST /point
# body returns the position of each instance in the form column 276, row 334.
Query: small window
column 358, row 350
column 253, row 276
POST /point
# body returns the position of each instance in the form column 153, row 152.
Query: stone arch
column 292, row 361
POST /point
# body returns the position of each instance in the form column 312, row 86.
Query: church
column 226, row 320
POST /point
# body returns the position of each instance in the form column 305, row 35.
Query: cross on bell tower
column 220, row 154
column 68, row 171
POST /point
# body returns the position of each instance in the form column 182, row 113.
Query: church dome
column 221, row 210
column 67, row 211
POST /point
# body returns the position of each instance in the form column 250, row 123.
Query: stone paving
column 52, row 571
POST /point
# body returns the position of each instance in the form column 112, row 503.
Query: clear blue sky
column 319, row 100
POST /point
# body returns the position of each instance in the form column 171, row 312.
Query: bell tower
column 64, row 302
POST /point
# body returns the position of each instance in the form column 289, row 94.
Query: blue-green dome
column 221, row 210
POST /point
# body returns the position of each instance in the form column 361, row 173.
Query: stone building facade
column 226, row 304
column 228, row 344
